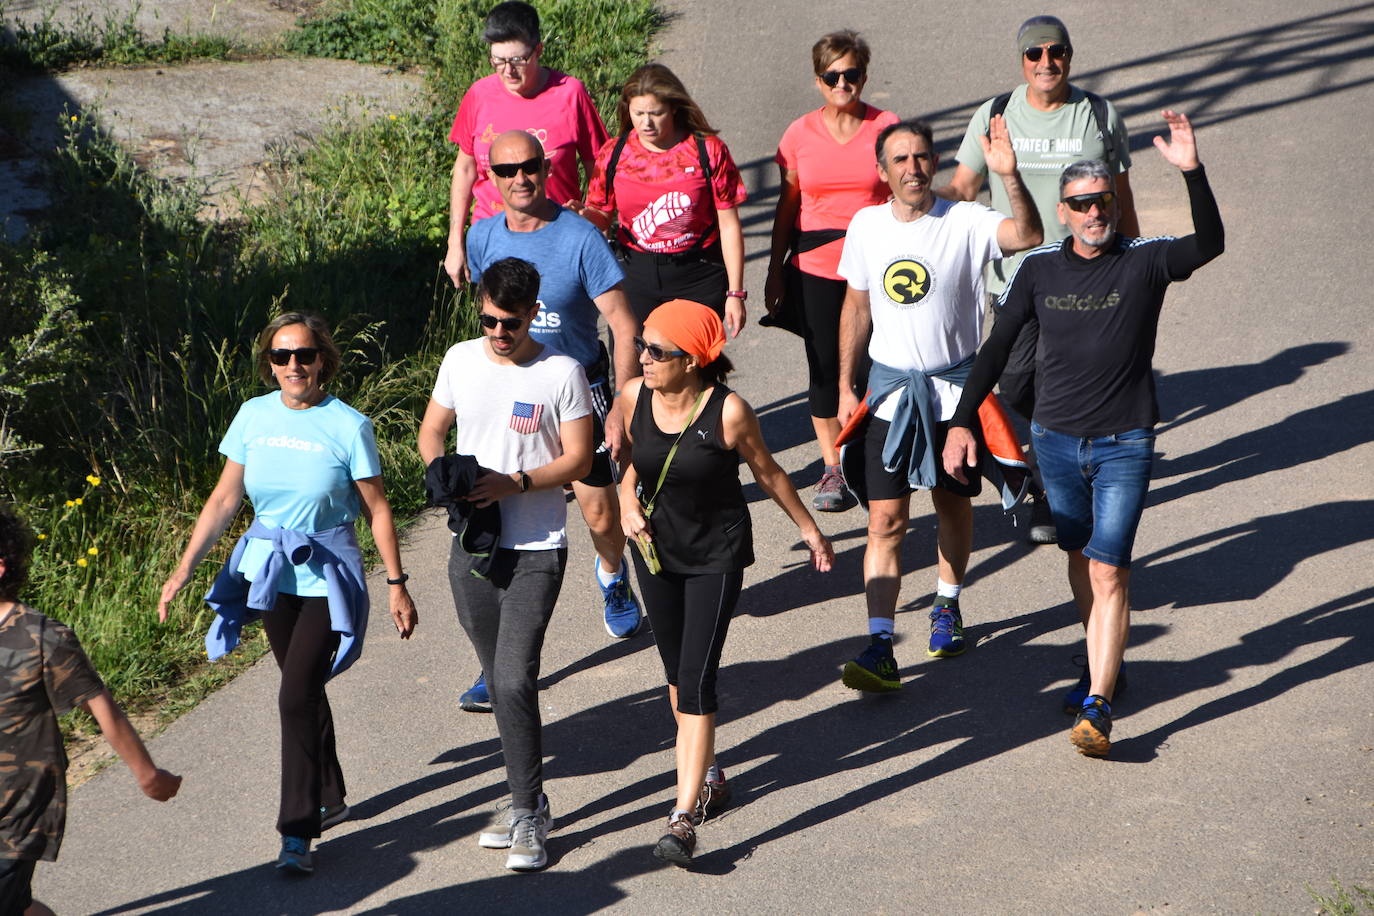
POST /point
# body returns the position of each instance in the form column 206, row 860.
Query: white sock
column 881, row 626
column 944, row 590
column 715, row 774
column 605, row 578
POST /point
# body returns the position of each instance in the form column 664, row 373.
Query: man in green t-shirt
column 1052, row 124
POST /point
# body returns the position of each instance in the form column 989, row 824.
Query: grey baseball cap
column 1039, row 30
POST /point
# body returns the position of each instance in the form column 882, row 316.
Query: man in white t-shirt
column 523, row 411
column 914, row 269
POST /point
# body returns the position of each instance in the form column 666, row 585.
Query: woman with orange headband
column 684, row 510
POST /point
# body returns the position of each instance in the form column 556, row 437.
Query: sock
column 679, row 813
column 606, row 579
column 715, row 774
column 881, row 626
column 944, row 590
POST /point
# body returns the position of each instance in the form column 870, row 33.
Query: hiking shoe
column 333, row 817
column 527, row 835
column 1092, row 730
column 622, row 607
column 498, row 834
column 476, row 699
column 678, row 844
column 1073, row 700
column 831, row 495
column 875, row 670
column 711, row 800
column 1041, row 529
column 295, row 856
column 946, row 629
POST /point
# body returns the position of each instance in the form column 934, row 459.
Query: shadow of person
column 1242, row 562
column 1188, row 396
column 1347, row 621
column 1306, row 436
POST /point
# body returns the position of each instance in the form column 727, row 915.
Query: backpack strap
column 615, row 160
column 1099, row 108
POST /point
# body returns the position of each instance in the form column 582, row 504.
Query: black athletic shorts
column 885, row 484
column 603, row 472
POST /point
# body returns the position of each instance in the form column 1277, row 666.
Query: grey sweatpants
column 505, row 617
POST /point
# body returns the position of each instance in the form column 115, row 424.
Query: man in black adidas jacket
column 1097, row 297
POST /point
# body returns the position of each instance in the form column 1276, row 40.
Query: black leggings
column 690, row 615
column 821, row 299
column 304, row 643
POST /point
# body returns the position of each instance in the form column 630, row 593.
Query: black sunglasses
column 1082, row 203
column 1057, row 52
column 511, row 169
column 851, row 76
column 656, row 353
column 507, row 324
column 305, row 356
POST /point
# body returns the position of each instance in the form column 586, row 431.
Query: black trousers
column 651, row 281
column 303, row 643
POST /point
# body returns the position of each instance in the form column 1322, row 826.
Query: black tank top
column 701, row 522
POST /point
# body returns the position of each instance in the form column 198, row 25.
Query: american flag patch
column 524, row 418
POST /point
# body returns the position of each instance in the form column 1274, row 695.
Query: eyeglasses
column 305, row 356
column 507, row 324
column 511, row 169
column 656, row 353
column 1057, row 52
column 851, row 76
column 515, row 63
column 1082, row 203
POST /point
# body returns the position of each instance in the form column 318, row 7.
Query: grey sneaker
column 528, row 832
column 498, row 834
column 830, row 491
column 1041, row 529
column 333, row 817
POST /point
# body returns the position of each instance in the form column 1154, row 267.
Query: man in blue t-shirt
column 579, row 279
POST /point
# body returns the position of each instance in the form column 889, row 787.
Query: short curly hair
column 16, row 549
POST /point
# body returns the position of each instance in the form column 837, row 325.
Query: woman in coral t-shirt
column 521, row 95
column 829, row 172
column 676, row 192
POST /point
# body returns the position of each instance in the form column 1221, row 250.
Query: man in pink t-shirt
column 520, row 95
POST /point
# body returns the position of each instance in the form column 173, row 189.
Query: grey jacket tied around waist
column 913, row 424
column 237, row 602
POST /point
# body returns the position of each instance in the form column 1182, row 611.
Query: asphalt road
column 1241, row 768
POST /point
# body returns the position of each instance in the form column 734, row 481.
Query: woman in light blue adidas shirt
column 308, row 463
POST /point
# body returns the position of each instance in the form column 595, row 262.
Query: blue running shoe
column 1073, row 700
column 946, row 629
column 1092, row 730
column 875, row 670
column 476, row 699
column 295, row 856
column 623, row 618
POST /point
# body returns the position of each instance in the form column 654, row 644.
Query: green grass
column 1342, row 902
column 127, row 346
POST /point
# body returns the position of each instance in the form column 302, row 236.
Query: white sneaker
column 528, row 833
column 498, row 833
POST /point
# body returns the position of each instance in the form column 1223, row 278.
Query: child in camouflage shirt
column 43, row 674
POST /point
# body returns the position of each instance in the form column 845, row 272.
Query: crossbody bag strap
column 663, row 474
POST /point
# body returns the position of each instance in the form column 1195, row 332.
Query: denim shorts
column 1096, row 487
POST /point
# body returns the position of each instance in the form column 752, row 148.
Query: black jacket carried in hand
column 448, row 479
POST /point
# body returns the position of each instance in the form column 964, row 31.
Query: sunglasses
column 1057, row 52
column 1082, row 203
column 507, row 324
column 511, row 169
column 656, row 353
column 851, row 76
column 305, row 356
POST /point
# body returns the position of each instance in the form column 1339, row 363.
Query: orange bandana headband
column 691, row 326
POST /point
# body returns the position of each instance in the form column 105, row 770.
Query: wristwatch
column 524, row 481
column 740, row 294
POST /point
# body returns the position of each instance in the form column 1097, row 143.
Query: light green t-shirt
column 1046, row 142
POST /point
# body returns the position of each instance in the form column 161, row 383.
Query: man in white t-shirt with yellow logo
column 914, row 268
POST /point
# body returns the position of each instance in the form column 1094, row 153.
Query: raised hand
column 997, row 151
column 1180, row 150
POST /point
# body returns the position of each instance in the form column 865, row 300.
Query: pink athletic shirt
column 836, row 179
column 562, row 117
column 663, row 202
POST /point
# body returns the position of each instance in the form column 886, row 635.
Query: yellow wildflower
column 73, row 119
column 42, row 537
column 93, row 480
column 81, row 562
column 70, row 504
column 92, row 551
column 77, row 501
column 393, row 117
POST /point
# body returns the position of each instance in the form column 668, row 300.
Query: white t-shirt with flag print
column 508, row 417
